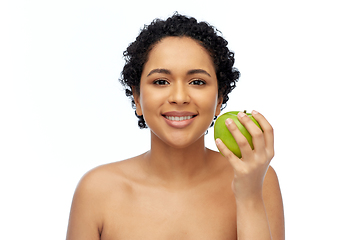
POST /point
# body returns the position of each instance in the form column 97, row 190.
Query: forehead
column 179, row 52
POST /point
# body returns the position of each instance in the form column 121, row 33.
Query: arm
column 84, row 222
column 258, row 198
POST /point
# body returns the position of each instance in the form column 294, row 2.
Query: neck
column 172, row 164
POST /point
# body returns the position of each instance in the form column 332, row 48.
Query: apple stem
column 244, row 111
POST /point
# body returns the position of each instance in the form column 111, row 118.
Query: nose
column 179, row 94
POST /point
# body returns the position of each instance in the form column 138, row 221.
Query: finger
column 234, row 160
column 255, row 132
column 267, row 129
column 240, row 139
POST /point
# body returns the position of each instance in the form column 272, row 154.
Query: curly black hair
column 136, row 55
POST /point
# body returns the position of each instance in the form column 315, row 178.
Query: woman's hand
column 250, row 170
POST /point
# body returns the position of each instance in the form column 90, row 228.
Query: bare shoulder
column 99, row 177
column 271, row 174
column 91, row 196
column 104, row 178
column 274, row 204
column 271, row 186
column 219, row 162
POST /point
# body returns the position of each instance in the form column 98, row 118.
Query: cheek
column 209, row 102
column 150, row 100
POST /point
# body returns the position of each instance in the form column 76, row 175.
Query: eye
column 198, row 82
column 161, row 82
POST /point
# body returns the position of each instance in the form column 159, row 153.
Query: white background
column 63, row 111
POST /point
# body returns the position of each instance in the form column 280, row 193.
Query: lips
column 179, row 119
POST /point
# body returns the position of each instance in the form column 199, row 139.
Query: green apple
column 221, row 131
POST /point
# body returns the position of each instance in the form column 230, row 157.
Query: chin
column 181, row 143
column 181, row 140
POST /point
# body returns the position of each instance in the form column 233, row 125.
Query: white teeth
column 172, row 118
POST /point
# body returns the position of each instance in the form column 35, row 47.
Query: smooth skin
column 180, row 189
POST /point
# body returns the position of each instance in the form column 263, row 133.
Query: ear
column 137, row 102
column 218, row 106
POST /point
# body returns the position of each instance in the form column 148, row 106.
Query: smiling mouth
column 182, row 118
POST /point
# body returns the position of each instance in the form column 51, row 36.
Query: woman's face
column 178, row 91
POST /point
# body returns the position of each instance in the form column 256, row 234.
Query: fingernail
column 218, row 141
column 241, row 114
column 254, row 112
column 228, row 121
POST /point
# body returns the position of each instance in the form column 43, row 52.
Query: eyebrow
column 159, row 70
column 194, row 71
column 190, row 72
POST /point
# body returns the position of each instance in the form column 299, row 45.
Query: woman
column 178, row 74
